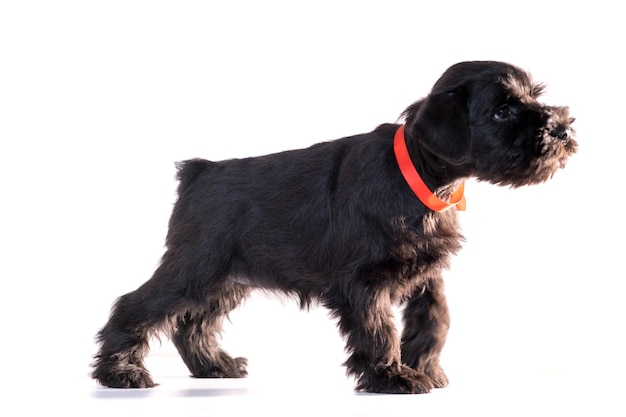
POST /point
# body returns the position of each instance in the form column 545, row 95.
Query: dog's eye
column 504, row 113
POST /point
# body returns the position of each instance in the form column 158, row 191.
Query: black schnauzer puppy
column 357, row 224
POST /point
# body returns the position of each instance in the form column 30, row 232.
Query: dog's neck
column 430, row 199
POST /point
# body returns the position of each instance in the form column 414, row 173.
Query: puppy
column 356, row 224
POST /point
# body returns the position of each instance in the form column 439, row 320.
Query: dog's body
column 337, row 223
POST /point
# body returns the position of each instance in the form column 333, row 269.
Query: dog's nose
column 561, row 132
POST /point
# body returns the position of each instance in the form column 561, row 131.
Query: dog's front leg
column 366, row 321
column 426, row 323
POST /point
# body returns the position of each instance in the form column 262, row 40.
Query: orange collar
column 416, row 183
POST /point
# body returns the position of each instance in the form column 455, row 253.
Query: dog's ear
column 441, row 122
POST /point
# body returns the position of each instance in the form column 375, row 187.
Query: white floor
column 261, row 395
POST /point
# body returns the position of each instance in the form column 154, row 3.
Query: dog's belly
column 307, row 288
column 243, row 280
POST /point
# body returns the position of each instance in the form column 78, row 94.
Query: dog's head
column 483, row 118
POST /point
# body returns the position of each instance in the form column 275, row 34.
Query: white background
column 99, row 99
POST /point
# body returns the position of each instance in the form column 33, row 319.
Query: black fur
column 336, row 223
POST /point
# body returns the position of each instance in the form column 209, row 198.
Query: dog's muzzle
column 559, row 123
column 561, row 132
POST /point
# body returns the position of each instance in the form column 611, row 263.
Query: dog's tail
column 188, row 171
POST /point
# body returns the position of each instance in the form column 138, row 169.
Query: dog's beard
column 524, row 171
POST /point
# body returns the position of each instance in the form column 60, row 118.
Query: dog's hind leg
column 124, row 339
column 426, row 323
column 195, row 336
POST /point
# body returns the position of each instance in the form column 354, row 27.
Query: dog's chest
column 423, row 246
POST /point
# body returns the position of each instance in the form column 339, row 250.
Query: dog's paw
column 127, row 376
column 225, row 367
column 237, row 368
column 438, row 377
column 395, row 380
